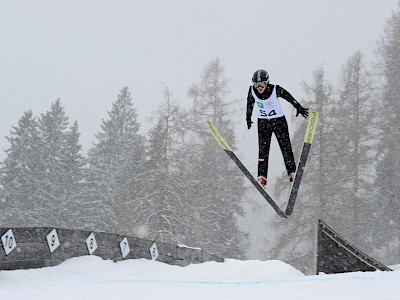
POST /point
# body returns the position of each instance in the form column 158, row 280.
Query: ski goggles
column 260, row 84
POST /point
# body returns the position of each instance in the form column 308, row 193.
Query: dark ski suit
column 278, row 126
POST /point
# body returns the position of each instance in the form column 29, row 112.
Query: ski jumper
column 271, row 119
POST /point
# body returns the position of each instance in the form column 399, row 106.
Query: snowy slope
column 90, row 277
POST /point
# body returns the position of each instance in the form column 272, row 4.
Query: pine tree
column 116, row 166
column 43, row 172
column 356, row 123
column 53, row 127
column 217, row 183
column 387, row 220
column 72, row 212
column 320, row 169
column 296, row 234
column 61, row 172
column 19, row 174
column 161, row 212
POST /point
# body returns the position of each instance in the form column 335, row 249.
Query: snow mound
column 230, row 270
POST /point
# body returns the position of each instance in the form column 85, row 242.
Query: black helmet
column 260, row 75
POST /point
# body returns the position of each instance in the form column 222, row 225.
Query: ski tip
column 311, row 127
column 217, row 136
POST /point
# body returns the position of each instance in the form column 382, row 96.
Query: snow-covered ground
column 91, row 277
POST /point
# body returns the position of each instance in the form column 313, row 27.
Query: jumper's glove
column 302, row 111
column 249, row 122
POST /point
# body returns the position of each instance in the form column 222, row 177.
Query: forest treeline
column 169, row 185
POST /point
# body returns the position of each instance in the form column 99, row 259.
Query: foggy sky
column 84, row 52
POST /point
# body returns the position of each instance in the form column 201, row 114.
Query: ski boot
column 262, row 181
column 292, row 176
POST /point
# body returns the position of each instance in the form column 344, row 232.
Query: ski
column 228, row 150
column 309, row 137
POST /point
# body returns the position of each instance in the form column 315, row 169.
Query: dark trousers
column 280, row 128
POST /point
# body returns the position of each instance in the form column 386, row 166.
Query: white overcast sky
column 85, row 51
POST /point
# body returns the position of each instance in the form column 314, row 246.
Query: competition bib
column 269, row 108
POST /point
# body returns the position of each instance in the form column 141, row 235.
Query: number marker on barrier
column 53, row 241
column 154, row 251
column 9, row 242
column 91, row 243
column 125, row 249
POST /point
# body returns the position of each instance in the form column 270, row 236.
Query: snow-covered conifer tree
column 115, row 175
